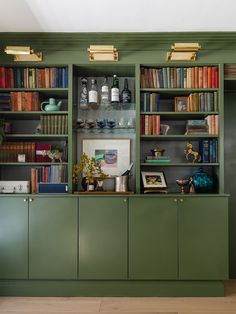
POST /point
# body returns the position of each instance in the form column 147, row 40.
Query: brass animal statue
column 53, row 154
column 190, row 152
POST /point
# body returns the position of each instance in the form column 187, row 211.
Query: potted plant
column 91, row 171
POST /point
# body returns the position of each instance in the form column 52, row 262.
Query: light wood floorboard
column 104, row 305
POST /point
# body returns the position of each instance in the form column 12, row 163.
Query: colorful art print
column 154, row 180
column 106, row 158
column 112, row 154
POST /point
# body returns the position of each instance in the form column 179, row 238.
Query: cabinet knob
column 125, row 200
column 31, row 199
column 175, row 200
column 25, row 199
column 181, row 200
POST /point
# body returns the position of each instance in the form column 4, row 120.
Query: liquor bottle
column 93, row 95
column 127, row 172
column 125, row 94
column 83, row 103
column 115, row 94
column 105, row 103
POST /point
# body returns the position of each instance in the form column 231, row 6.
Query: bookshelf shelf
column 36, row 136
column 28, row 115
column 177, row 137
column 25, row 164
column 178, row 90
column 180, row 164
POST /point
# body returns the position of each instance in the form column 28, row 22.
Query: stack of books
column 197, row 127
column 157, row 159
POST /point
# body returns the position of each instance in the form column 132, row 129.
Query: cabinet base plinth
column 112, row 288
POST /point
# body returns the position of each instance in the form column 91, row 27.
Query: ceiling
column 117, row 16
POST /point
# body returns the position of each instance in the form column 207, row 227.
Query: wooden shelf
column 103, row 193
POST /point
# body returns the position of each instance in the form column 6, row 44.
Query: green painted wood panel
column 103, row 238
column 13, row 238
column 203, row 238
column 53, row 238
column 153, row 238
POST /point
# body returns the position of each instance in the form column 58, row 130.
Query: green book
column 157, row 161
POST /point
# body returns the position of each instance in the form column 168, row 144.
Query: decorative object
column 121, row 183
column 99, row 185
column 113, row 155
column 183, row 52
column 183, row 183
column 21, row 157
column 23, row 53
column 189, row 151
column 181, row 103
column 111, row 123
column 102, row 53
column 154, row 180
column 164, row 129
column 53, row 154
column 157, row 152
column 51, row 105
column 202, row 182
column 90, row 169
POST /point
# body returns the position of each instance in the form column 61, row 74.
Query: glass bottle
column 115, row 94
column 83, row 103
column 105, row 103
column 93, row 95
column 125, row 94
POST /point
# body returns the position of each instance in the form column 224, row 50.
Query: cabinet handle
column 125, row 200
column 181, row 200
column 25, row 199
column 31, row 199
column 175, row 200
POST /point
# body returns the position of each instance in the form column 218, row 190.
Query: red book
column 39, row 148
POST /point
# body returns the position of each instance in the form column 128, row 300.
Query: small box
column 21, row 157
column 15, row 187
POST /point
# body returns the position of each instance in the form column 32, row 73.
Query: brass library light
column 102, row 53
column 23, row 53
column 183, row 52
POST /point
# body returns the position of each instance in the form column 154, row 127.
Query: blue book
column 53, row 187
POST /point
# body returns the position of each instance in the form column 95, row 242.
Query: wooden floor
column 223, row 305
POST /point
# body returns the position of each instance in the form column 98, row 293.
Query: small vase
column 90, row 187
column 84, row 184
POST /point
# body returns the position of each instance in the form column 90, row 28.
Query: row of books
column 48, row 174
column 33, row 152
column 9, row 151
column 150, row 124
column 54, row 124
column 5, row 102
column 230, row 71
column 33, row 77
column 150, row 102
column 208, row 150
column 25, row 101
column 195, row 102
column 176, row 77
column 204, row 102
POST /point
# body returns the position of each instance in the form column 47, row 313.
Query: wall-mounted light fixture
column 102, row 53
column 183, row 52
column 23, row 53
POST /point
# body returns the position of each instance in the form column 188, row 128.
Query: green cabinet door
column 13, row 238
column 203, row 238
column 53, row 238
column 103, row 238
column 153, row 238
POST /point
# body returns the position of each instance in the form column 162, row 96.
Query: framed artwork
column 112, row 154
column 154, row 180
column 181, row 103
